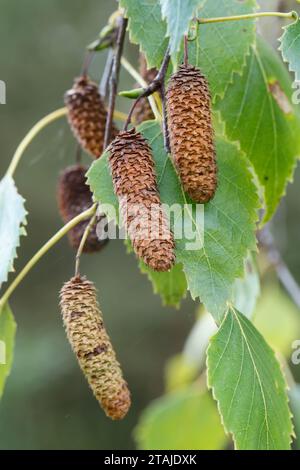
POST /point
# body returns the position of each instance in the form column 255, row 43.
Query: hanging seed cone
column 143, row 111
column 87, row 115
column 191, row 132
column 74, row 196
column 135, row 185
column 91, row 344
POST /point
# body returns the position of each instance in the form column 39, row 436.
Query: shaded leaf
column 7, row 340
column 229, row 219
column 12, row 220
column 182, row 420
column 259, row 114
column 249, row 386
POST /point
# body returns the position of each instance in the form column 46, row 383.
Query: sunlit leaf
column 249, row 386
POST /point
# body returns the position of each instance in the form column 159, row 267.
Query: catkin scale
column 87, row 115
column 191, row 132
column 90, row 342
column 134, row 180
column 143, row 111
column 73, row 197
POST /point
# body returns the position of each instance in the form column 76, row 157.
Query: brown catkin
column 87, row 115
column 74, row 196
column 135, row 185
column 90, row 342
column 143, row 111
column 191, row 132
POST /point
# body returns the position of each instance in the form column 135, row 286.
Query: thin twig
column 83, row 242
column 286, row 278
column 114, row 79
column 45, row 248
column 129, row 117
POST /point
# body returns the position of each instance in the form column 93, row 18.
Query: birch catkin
column 74, row 197
column 135, row 185
column 91, row 344
column 143, row 111
column 87, row 115
column 191, row 132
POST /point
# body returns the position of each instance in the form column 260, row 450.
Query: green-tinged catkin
column 90, row 342
column 191, row 132
column 134, row 180
column 143, row 111
column 87, row 115
column 74, row 197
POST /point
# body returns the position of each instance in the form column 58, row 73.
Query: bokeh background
column 47, row 403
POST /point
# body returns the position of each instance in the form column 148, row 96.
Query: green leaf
column 229, row 219
column 182, row 420
column 220, row 49
column 12, row 220
column 179, row 373
column 290, row 46
column 171, row 286
column 178, row 14
column 259, row 114
column 7, row 340
column 294, row 395
column 249, row 386
column 147, row 28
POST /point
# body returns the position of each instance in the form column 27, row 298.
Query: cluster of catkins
column 132, row 167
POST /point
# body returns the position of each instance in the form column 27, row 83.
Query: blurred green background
column 47, row 403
